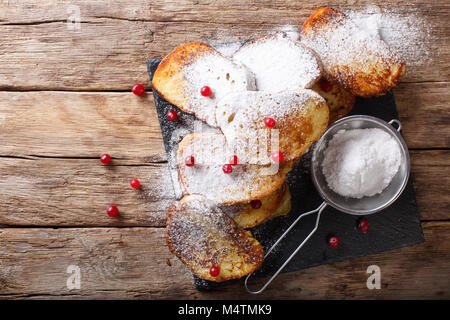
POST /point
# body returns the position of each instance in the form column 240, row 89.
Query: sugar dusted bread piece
column 247, row 217
column 280, row 63
column 245, row 183
column 301, row 116
column 182, row 73
column 202, row 236
column 339, row 100
column 356, row 59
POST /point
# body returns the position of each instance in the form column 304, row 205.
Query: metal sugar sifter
column 363, row 206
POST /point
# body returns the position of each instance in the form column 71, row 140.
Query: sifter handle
column 319, row 210
column 397, row 122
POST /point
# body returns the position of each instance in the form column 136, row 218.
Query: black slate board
column 394, row 227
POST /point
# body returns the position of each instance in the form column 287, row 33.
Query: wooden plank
column 431, row 173
column 424, row 111
column 131, row 263
column 76, row 192
column 39, row 52
column 71, row 192
column 73, row 124
column 66, row 124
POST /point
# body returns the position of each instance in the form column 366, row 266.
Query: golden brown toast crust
column 247, row 217
column 381, row 71
column 202, row 236
column 168, row 78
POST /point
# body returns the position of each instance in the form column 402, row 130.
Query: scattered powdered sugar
column 279, row 63
column 407, row 34
column 360, row 162
column 221, row 75
column 228, row 49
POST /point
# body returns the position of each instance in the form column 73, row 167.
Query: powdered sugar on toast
column 206, row 177
column 279, row 63
column 219, row 73
column 300, row 116
column 343, row 43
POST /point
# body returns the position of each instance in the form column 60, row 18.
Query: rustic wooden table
column 65, row 99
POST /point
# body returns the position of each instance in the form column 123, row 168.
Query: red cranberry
column 205, row 91
column 105, row 158
column 256, row 204
column 233, row 160
column 227, row 168
column 364, row 225
column 112, row 211
column 135, row 183
column 326, row 85
column 189, row 161
column 172, row 115
column 138, row 89
column 333, row 242
column 277, row 156
column 270, row 122
column 214, row 271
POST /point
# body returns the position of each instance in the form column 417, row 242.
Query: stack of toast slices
column 268, row 102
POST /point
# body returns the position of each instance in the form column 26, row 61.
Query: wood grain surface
column 65, row 100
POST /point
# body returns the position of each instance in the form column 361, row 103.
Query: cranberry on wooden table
column 105, row 158
column 135, row 183
column 138, row 89
column 112, row 211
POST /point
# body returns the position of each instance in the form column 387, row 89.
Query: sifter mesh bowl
column 365, row 205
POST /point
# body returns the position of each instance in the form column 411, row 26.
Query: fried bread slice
column 280, row 63
column 356, row 59
column 300, row 117
column 191, row 66
column 285, row 206
column 248, row 216
column 245, row 183
column 202, row 236
column 339, row 100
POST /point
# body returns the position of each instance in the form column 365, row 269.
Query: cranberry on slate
column 205, row 91
column 326, row 85
column 269, row 122
column 256, row 204
column 135, row 183
column 333, row 242
column 227, row 168
column 364, row 225
column 112, row 211
column 214, row 271
column 105, row 158
column 172, row 115
column 189, row 161
column 138, row 89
